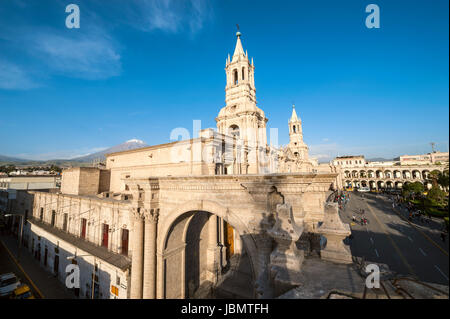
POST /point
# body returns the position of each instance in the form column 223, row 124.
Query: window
column 53, row 218
column 294, row 128
column 65, row 222
column 234, row 131
column 125, row 242
column 105, row 235
column 243, row 73
column 235, row 76
column 41, row 214
column 83, row 228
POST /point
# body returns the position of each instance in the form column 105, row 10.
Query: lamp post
column 93, row 271
column 20, row 233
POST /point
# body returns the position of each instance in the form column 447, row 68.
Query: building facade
column 173, row 220
column 355, row 172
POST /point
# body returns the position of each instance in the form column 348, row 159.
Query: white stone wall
column 108, row 275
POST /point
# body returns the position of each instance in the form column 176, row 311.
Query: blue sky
column 140, row 68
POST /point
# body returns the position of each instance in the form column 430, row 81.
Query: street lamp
column 20, row 233
column 93, row 271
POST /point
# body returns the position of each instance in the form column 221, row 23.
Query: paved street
column 392, row 240
column 43, row 283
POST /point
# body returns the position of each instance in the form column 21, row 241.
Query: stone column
column 151, row 220
column 137, row 257
column 223, row 247
column 212, row 246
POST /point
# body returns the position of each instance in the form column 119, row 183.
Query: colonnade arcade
column 393, row 177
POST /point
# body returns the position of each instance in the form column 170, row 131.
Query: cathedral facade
column 182, row 219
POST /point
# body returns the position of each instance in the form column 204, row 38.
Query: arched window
column 234, row 131
column 243, row 73
column 235, row 77
column 294, row 128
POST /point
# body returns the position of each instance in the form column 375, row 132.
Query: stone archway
column 194, row 254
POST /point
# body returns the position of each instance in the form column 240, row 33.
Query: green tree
column 443, row 180
column 435, row 196
column 410, row 189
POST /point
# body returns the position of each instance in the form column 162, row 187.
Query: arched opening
column 243, row 73
column 205, row 257
column 235, row 77
column 234, row 131
column 406, row 174
column 388, row 174
column 416, row 174
column 294, row 128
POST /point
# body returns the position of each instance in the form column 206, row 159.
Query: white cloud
column 86, row 55
column 171, row 15
column 14, row 77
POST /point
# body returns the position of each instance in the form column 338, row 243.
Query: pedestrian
column 353, row 218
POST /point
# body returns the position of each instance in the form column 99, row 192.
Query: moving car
column 23, row 292
column 8, row 283
column 364, row 189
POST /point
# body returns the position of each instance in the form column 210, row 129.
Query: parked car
column 364, row 189
column 8, row 283
column 22, row 292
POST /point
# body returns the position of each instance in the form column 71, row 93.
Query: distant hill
column 128, row 145
column 379, row 159
column 78, row 161
column 8, row 159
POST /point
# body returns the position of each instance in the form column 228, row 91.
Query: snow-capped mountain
column 128, row 145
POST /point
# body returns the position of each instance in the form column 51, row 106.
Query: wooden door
column 65, row 222
column 83, row 228
column 56, row 265
column 105, row 235
column 229, row 239
column 125, row 242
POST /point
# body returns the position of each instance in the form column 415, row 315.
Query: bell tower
column 241, row 117
column 298, row 148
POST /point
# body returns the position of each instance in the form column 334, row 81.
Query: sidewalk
column 48, row 285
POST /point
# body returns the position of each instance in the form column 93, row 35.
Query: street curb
column 20, row 267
